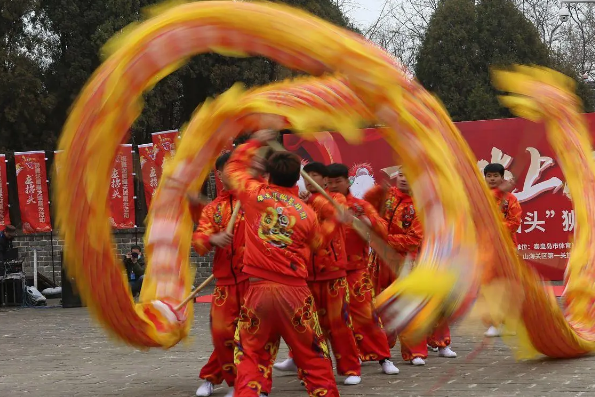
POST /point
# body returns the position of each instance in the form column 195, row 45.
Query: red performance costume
column 404, row 236
column 511, row 209
column 280, row 229
column 231, row 285
column 328, row 283
column 370, row 337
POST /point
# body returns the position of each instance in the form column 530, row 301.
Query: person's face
column 224, row 180
column 319, row 179
column 494, row 179
column 135, row 253
column 402, row 183
column 339, row 185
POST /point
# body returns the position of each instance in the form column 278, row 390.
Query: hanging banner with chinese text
column 544, row 237
column 33, row 191
column 121, row 192
column 165, row 145
column 4, row 213
column 150, row 171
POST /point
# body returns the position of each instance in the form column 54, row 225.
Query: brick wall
column 42, row 242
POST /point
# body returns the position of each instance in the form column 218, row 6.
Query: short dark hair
column 221, row 161
column 494, row 168
column 284, row 168
column 135, row 247
column 316, row 167
column 337, row 170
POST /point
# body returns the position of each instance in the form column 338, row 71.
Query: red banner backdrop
column 121, row 192
column 548, row 219
column 4, row 213
column 165, row 145
column 33, row 191
column 150, row 171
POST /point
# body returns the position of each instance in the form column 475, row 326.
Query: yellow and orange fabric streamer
column 461, row 223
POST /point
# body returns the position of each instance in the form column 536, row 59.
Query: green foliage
column 50, row 48
column 464, row 40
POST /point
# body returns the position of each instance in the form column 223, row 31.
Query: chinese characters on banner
column 548, row 221
column 165, row 145
column 150, row 171
column 4, row 215
column 121, row 190
column 33, row 191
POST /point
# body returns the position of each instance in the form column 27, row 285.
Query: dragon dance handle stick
column 229, row 230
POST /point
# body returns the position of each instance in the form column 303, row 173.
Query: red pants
column 225, row 312
column 439, row 338
column 272, row 311
column 369, row 335
column 332, row 304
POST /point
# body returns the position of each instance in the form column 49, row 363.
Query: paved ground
column 61, row 352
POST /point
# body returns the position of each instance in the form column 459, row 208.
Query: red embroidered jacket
column 281, row 230
column 358, row 249
column 405, row 231
column 328, row 263
column 196, row 212
column 228, row 261
column 511, row 209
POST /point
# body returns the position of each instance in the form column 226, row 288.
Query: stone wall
column 43, row 243
column 48, row 259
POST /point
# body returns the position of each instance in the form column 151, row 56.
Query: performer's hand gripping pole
column 229, row 229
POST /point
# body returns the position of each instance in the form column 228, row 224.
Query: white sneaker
column 418, row 361
column 286, row 366
column 230, row 392
column 352, row 380
column 446, row 352
column 205, row 390
column 434, row 349
column 492, row 332
column 389, row 368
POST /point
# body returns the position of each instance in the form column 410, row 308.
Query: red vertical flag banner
column 165, row 145
column 121, row 192
column 4, row 215
column 33, row 191
column 151, row 172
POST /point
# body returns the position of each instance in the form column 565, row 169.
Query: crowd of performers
column 294, row 268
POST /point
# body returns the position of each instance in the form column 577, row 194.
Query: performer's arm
column 515, row 212
column 377, row 223
column 376, row 197
column 238, row 171
column 201, row 239
column 408, row 241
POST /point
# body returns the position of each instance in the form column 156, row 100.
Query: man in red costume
column 370, row 337
column 511, row 210
column 231, row 284
column 281, row 231
column 328, row 283
column 404, row 237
